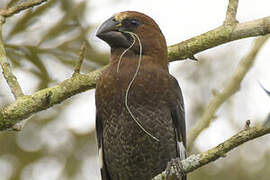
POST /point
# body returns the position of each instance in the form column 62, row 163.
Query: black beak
column 109, row 32
column 108, row 26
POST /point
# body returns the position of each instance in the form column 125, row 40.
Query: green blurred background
column 43, row 44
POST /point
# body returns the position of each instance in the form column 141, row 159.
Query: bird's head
column 114, row 32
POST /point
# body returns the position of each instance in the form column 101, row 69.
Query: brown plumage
column 128, row 150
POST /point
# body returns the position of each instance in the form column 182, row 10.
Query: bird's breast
column 126, row 145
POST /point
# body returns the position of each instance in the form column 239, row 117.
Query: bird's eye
column 135, row 22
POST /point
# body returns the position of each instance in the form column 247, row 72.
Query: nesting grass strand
column 134, row 36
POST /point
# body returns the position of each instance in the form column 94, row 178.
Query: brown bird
column 140, row 120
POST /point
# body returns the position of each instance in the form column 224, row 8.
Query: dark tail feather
column 104, row 174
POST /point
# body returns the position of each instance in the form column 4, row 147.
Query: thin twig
column 247, row 125
column 232, row 86
column 265, row 90
column 9, row 76
column 196, row 161
column 231, row 13
column 78, row 65
column 19, row 7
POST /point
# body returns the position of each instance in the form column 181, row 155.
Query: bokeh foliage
column 46, row 148
column 61, row 39
column 34, row 38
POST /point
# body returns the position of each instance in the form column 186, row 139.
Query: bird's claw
column 175, row 167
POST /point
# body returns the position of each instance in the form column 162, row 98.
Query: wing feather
column 178, row 117
column 99, row 132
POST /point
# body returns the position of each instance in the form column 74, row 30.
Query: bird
column 140, row 115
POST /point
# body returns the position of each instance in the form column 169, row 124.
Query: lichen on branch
column 196, row 161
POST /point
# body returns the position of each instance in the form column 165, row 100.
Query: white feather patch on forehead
column 120, row 16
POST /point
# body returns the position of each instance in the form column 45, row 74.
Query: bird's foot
column 175, row 168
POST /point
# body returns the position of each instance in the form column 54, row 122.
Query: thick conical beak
column 109, row 32
column 108, row 26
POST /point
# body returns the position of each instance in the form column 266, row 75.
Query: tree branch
column 231, row 13
column 10, row 78
column 25, row 106
column 196, row 161
column 231, row 87
column 186, row 49
column 20, row 7
column 218, row 36
column 78, row 65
